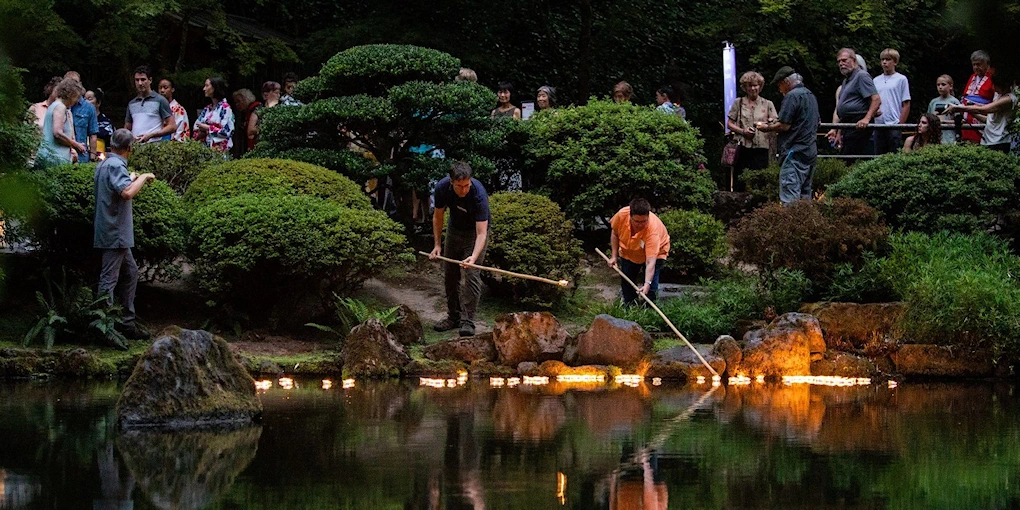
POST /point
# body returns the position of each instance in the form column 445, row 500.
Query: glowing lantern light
column 656, row 381
column 739, row 380
column 561, row 488
column 286, row 383
column 581, row 378
column 826, row 380
column 701, row 379
column 431, row 382
column 497, row 382
column 327, row 384
column 348, row 383
column 263, row 385
column 513, row 381
column 892, row 384
column 539, row 380
column 631, row 380
column 760, row 379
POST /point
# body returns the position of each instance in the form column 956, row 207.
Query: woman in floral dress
column 215, row 123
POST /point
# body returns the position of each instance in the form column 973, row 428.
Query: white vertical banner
column 729, row 71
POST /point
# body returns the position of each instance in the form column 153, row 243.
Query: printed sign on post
column 527, row 109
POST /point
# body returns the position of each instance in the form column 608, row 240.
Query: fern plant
column 74, row 312
column 351, row 312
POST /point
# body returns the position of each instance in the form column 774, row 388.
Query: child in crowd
column 944, row 84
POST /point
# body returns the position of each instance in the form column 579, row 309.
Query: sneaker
column 445, row 325
column 467, row 328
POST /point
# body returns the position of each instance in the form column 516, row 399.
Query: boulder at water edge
column 371, row 351
column 188, row 378
column 612, row 341
column 855, row 325
column 680, row 362
column 407, row 329
column 528, row 336
column 925, row 360
column 784, row 347
column 727, row 348
column 467, row 349
column 843, row 364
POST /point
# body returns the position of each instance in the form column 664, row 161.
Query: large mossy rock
column 842, row 364
column 528, row 336
column 926, row 360
column 612, row 341
column 407, row 329
column 188, row 378
column 187, row 469
column 371, row 351
column 467, row 349
column 784, row 347
column 855, row 325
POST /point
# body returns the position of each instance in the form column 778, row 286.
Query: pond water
column 399, row 445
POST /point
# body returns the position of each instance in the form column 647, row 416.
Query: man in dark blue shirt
column 465, row 241
column 798, row 144
column 86, row 122
column 114, row 227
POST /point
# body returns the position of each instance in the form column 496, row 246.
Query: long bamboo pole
column 656, row 308
column 560, row 283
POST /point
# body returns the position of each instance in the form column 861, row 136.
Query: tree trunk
column 184, row 45
column 584, row 53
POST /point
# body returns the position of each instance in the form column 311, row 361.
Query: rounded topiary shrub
column 254, row 252
column 529, row 234
column 275, row 177
column 961, row 188
column 590, row 159
column 696, row 241
column 807, row 235
column 175, row 163
column 373, row 68
column 63, row 224
column 765, row 182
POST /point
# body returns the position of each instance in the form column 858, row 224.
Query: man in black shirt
column 465, row 241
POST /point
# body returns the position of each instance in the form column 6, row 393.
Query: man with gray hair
column 797, row 126
column 114, row 228
column 857, row 103
column 979, row 91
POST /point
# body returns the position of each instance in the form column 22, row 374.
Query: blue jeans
column 636, row 273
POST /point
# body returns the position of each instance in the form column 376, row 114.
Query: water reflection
column 186, row 469
column 472, row 446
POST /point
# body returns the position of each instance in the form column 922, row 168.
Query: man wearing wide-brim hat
column 797, row 127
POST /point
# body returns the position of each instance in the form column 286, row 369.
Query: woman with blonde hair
column 745, row 112
column 58, row 146
column 622, row 92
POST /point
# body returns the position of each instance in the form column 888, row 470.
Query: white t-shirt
column 997, row 125
column 894, row 90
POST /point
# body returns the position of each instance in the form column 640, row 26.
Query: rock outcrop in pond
column 370, row 350
column 407, row 329
column 528, row 336
column 188, row 378
column 784, row 347
column 612, row 341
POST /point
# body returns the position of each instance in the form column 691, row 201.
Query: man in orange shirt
column 640, row 245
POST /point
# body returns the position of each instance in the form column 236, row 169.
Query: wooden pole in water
column 560, row 283
column 656, row 308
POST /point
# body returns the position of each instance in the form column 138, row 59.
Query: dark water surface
column 403, row 446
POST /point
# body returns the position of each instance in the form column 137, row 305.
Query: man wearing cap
column 114, row 228
column 798, row 145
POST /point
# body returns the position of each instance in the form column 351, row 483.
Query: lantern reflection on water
column 561, row 488
column 348, row 383
column 826, row 380
column 327, row 384
column 629, row 379
column 286, row 383
column 263, row 385
column 581, row 378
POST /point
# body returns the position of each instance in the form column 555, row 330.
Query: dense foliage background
column 582, row 47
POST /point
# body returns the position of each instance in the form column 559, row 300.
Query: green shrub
column 696, row 241
column 962, row 188
column 18, row 135
column 765, row 182
column 813, row 237
column 703, row 316
column 274, row 177
column 373, row 68
column 175, row 163
column 62, row 224
column 595, row 158
column 254, row 252
column 868, row 283
column 347, row 163
column 529, row 234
